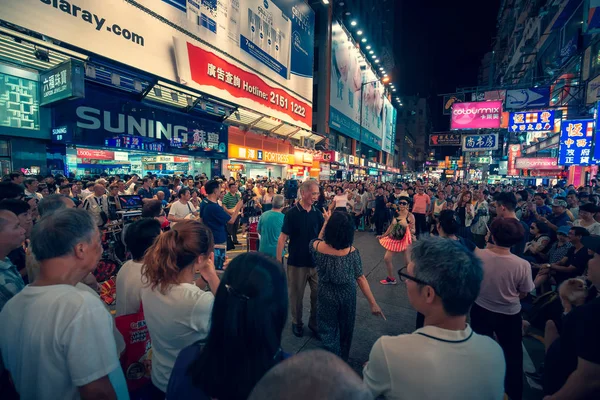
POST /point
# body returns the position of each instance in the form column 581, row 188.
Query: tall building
column 353, row 87
column 545, row 47
column 412, row 132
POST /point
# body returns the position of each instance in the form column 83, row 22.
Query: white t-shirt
column 175, row 321
column 433, row 363
column 593, row 229
column 54, row 339
column 180, row 210
column 341, row 200
column 129, row 288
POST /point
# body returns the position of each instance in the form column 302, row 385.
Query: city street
column 394, row 302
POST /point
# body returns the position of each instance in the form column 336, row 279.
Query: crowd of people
column 482, row 264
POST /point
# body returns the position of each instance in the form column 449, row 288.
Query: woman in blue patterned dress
column 339, row 269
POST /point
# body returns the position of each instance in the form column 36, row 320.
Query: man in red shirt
column 421, row 203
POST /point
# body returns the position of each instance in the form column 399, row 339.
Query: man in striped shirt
column 230, row 200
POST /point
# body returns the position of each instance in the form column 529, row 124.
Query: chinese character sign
column 488, row 141
column 444, row 139
column 534, row 121
column 576, row 142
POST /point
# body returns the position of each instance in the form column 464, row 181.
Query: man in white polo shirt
column 445, row 359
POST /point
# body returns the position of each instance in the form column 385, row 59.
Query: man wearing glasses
column 441, row 359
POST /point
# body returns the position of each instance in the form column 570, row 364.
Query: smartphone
column 220, row 253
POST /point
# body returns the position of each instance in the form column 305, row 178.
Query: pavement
column 400, row 315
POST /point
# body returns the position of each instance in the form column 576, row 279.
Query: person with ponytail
column 244, row 342
column 176, row 309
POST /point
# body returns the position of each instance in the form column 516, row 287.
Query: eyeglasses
column 403, row 203
column 404, row 277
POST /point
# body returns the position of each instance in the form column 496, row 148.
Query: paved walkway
column 395, row 305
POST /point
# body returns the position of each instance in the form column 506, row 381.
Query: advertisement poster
column 271, row 41
column 389, row 127
column 476, row 115
column 349, row 74
column 534, row 121
column 576, row 142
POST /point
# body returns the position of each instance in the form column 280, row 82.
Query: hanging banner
column 272, row 41
column 478, row 115
column 535, row 121
column 444, row 139
column 545, row 163
column 521, row 99
column 576, row 142
column 514, row 151
column 488, row 141
column 449, row 101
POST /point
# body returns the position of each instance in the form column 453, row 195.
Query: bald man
column 315, row 374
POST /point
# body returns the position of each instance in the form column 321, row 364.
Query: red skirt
column 396, row 245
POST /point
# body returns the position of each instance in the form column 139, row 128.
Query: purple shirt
column 504, row 278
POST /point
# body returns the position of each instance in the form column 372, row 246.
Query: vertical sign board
column 65, row 81
column 576, row 142
column 514, row 151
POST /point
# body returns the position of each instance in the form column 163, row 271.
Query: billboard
column 102, row 119
column 389, row 126
column 545, row 163
column 444, row 139
column 350, row 76
column 269, row 42
column 522, row 99
column 576, row 142
column 483, row 142
column 534, row 121
column 476, row 115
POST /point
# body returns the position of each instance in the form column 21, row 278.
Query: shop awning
column 31, row 52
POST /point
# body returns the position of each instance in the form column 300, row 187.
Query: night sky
column 439, row 45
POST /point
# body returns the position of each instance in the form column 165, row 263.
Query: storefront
column 116, row 135
column 87, row 161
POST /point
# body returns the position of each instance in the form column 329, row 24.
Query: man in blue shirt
column 559, row 216
column 269, row 228
column 164, row 187
column 214, row 216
